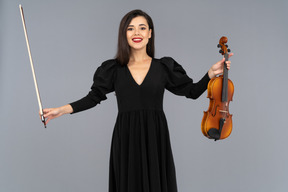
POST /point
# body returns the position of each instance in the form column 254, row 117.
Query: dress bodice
column 148, row 95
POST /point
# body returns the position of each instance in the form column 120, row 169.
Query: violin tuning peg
column 219, row 46
column 226, row 46
column 228, row 50
column 220, row 51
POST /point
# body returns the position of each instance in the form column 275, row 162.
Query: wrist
column 66, row 109
column 211, row 73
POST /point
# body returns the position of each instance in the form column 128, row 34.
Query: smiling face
column 138, row 33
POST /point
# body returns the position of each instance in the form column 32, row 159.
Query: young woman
column 141, row 158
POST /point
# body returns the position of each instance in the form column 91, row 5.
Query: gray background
column 70, row 39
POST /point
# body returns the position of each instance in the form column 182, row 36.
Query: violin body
column 217, row 109
column 217, row 121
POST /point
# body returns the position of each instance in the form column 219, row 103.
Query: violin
column 217, row 121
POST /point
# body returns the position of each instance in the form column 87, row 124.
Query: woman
column 141, row 158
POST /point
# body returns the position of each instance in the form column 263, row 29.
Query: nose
column 136, row 31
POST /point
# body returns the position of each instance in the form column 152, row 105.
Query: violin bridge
column 222, row 111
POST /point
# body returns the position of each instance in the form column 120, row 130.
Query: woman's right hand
column 52, row 113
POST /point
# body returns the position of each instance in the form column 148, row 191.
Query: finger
column 41, row 113
column 221, row 61
column 230, row 55
column 228, row 65
column 48, row 114
column 47, row 110
column 47, row 120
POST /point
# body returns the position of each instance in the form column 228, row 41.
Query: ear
column 150, row 33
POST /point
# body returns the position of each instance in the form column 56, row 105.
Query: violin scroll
column 222, row 44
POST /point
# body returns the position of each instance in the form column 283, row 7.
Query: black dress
column 141, row 158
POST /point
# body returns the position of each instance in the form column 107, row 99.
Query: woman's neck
column 138, row 55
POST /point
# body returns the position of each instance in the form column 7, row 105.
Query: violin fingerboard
column 225, row 80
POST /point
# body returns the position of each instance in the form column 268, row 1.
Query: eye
column 143, row 28
column 130, row 29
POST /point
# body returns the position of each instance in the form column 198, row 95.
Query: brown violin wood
column 218, row 109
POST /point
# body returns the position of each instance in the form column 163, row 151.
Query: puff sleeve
column 103, row 83
column 178, row 82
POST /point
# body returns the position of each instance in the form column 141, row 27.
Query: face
column 138, row 33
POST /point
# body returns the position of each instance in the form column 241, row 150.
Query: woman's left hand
column 217, row 68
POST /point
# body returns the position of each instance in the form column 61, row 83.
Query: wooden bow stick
column 32, row 66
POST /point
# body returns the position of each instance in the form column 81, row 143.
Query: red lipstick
column 137, row 40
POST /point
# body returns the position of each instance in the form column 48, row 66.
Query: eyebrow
column 139, row 25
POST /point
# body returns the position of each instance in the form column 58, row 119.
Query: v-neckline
column 139, row 85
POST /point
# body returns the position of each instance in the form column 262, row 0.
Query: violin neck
column 225, row 80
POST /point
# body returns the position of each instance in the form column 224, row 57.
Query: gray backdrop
column 70, row 39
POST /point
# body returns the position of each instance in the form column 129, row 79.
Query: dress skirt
column 141, row 158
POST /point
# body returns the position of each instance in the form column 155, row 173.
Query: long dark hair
column 123, row 49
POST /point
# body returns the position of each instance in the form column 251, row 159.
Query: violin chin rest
column 214, row 133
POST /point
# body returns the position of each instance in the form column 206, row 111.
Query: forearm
column 91, row 100
column 200, row 87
